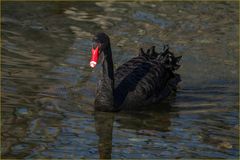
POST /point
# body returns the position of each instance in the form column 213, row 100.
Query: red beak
column 95, row 56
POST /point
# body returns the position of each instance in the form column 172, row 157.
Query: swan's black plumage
column 141, row 81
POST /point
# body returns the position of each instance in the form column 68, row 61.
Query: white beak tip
column 93, row 64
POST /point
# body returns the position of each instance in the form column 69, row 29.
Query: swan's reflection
column 104, row 128
column 153, row 119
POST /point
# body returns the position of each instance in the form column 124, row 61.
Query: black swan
column 142, row 81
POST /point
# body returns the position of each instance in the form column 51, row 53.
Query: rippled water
column 48, row 87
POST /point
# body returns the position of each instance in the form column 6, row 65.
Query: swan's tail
column 168, row 59
column 165, row 57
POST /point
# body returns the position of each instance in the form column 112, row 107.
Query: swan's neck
column 104, row 99
column 107, row 68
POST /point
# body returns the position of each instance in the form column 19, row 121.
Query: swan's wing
column 137, row 81
column 143, row 80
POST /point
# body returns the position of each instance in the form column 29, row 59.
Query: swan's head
column 100, row 43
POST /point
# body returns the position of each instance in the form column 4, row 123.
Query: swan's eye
column 94, row 45
column 97, row 45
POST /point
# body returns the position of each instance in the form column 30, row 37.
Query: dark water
column 48, row 87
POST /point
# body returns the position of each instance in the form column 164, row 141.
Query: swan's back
column 145, row 79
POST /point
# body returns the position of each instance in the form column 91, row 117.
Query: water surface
column 48, row 88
